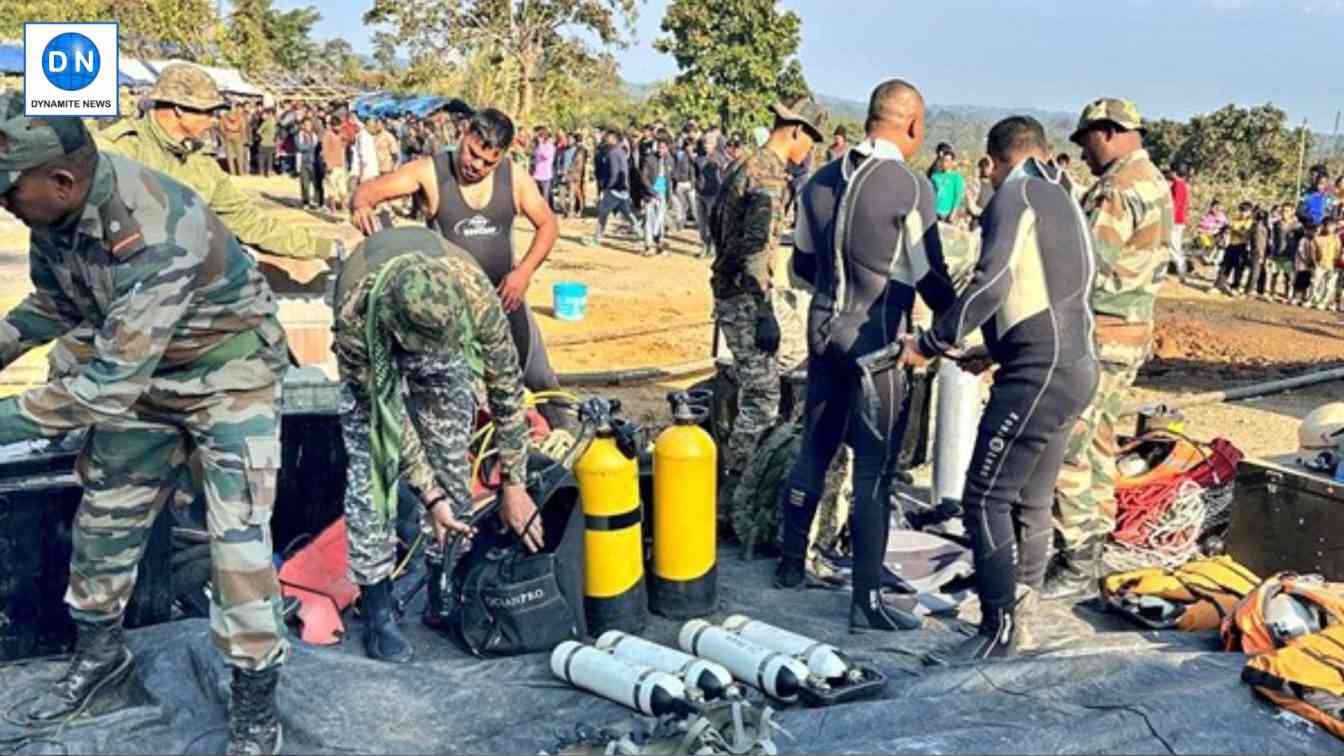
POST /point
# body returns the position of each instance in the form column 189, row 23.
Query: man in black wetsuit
column 1029, row 297
column 472, row 194
column 867, row 240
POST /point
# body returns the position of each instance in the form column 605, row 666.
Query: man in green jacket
column 168, row 139
column 266, row 131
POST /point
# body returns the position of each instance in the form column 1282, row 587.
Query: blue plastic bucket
column 571, row 300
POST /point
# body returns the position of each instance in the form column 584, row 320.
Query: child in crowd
column 1210, row 228
column 1282, row 247
column 1304, row 262
column 1234, row 260
column 1324, row 276
column 1339, row 274
column 1259, row 254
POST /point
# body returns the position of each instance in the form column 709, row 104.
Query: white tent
column 229, row 80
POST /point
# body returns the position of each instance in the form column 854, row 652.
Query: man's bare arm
column 528, row 200
column 415, row 176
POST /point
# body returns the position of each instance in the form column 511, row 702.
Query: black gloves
column 767, row 332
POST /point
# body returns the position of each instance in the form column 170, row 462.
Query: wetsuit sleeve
column 993, row 278
column 804, row 239
column 933, row 282
column 503, row 376
column 151, row 291
column 41, row 317
column 242, row 216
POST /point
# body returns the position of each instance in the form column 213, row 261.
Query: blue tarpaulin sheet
column 385, row 105
column 11, row 62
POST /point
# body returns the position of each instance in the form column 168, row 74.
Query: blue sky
column 1173, row 57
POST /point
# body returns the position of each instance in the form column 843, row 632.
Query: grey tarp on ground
column 1092, row 684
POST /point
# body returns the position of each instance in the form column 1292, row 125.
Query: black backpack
column 503, row 600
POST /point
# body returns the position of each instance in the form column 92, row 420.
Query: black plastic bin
column 38, row 499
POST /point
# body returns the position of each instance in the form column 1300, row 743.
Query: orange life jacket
column 1246, row 628
column 1305, row 677
column 1193, row 597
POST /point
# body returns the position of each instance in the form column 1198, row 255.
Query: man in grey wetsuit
column 867, row 240
column 472, row 195
column 1029, row 298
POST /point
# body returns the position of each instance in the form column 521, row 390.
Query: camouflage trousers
column 791, row 306
column 132, row 465
column 757, row 376
column 833, row 511
column 440, row 399
column 1085, row 492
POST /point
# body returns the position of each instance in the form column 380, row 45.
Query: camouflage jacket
column 144, row 140
column 1130, row 213
column 464, row 285
column 162, row 281
column 748, row 220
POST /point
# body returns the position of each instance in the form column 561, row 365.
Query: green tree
column 245, row 44
column 339, row 56
column 259, row 37
column 1242, row 145
column 1164, row 140
column 149, row 28
column 518, row 33
column 735, row 57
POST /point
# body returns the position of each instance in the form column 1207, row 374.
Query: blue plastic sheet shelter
column 383, row 105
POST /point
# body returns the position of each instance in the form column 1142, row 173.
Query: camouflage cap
column 1112, row 110
column 29, row 142
column 186, row 85
column 805, row 112
column 424, row 306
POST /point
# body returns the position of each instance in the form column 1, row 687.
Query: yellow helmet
column 1321, row 430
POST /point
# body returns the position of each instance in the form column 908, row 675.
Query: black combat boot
column 382, row 639
column 254, row 728
column 101, row 661
column 867, row 611
column 436, row 610
column 997, row 638
column 1073, row 573
column 789, row 573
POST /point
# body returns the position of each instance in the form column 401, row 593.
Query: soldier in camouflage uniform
column 1130, row 213
column 188, row 354
column 748, row 219
column 167, row 139
column 412, row 307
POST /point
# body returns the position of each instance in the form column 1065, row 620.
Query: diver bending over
column 1029, row 298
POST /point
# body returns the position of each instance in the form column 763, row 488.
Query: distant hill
column 962, row 126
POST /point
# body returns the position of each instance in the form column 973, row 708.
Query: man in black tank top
column 472, row 195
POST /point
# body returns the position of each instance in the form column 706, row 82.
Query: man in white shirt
column 364, row 158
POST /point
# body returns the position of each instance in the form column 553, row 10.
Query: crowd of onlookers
column 660, row 182
column 1285, row 252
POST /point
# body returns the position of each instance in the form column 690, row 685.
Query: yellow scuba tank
column 608, row 475
column 684, row 578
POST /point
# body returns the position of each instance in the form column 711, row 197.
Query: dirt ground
column 656, row 312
